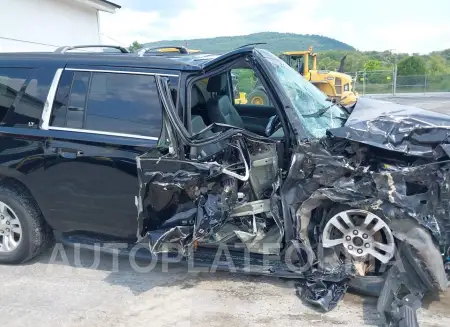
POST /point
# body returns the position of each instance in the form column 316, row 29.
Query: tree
column 135, row 46
column 412, row 65
column 437, row 65
column 372, row 65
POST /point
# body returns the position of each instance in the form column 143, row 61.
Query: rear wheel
column 23, row 231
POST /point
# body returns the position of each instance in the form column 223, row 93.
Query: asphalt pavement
column 438, row 102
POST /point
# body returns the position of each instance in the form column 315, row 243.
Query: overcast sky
column 401, row 25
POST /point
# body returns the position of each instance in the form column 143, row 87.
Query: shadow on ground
column 139, row 277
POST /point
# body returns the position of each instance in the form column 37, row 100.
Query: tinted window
column 28, row 111
column 11, row 81
column 58, row 117
column 77, row 100
column 70, row 100
column 124, row 103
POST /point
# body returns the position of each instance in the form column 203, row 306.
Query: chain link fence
column 386, row 82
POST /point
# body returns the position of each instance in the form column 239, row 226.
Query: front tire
column 23, row 231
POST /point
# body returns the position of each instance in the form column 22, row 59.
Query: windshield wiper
column 321, row 112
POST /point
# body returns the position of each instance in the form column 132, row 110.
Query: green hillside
column 378, row 65
column 276, row 42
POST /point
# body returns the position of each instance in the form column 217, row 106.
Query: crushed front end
column 368, row 200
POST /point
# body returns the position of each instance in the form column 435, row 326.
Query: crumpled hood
column 396, row 127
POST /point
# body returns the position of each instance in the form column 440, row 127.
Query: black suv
column 155, row 149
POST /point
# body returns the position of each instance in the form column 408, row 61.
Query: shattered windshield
column 308, row 101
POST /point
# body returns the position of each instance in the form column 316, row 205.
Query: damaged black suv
column 299, row 187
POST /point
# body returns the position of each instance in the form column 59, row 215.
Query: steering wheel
column 273, row 125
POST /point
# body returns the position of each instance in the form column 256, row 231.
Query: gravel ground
column 55, row 293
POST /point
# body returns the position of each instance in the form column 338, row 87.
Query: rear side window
column 28, row 110
column 70, row 100
column 108, row 102
column 124, row 103
column 61, row 101
column 77, row 100
column 11, row 81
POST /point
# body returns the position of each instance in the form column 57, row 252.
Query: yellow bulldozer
column 336, row 85
column 169, row 49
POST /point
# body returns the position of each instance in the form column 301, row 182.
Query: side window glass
column 11, row 81
column 124, row 103
column 59, row 111
column 70, row 100
column 28, row 110
column 247, row 88
column 77, row 100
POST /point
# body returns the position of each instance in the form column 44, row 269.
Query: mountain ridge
column 276, row 42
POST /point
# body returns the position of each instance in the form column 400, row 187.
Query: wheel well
column 16, row 184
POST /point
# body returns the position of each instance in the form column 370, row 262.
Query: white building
column 44, row 25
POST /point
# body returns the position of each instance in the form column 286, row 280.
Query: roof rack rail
column 250, row 44
column 64, row 49
column 181, row 49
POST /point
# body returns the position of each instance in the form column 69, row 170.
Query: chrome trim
column 88, row 131
column 142, row 52
column 48, row 106
column 118, row 72
column 64, row 49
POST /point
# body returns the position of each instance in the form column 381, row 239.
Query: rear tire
column 35, row 234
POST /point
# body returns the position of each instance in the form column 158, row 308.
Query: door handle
column 68, row 153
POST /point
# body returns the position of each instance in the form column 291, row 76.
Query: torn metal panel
column 183, row 202
column 409, row 192
column 395, row 127
column 426, row 252
column 407, row 281
column 339, row 171
column 324, row 295
column 264, row 167
column 168, row 190
column 171, row 240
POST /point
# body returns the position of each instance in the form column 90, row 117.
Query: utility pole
column 425, row 86
column 364, row 82
column 394, row 79
column 394, row 71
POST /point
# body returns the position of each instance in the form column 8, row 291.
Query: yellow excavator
column 176, row 50
column 336, row 85
column 166, row 50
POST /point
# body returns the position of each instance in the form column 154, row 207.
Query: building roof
column 111, row 3
column 102, row 5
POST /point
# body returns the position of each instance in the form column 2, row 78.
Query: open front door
column 218, row 193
